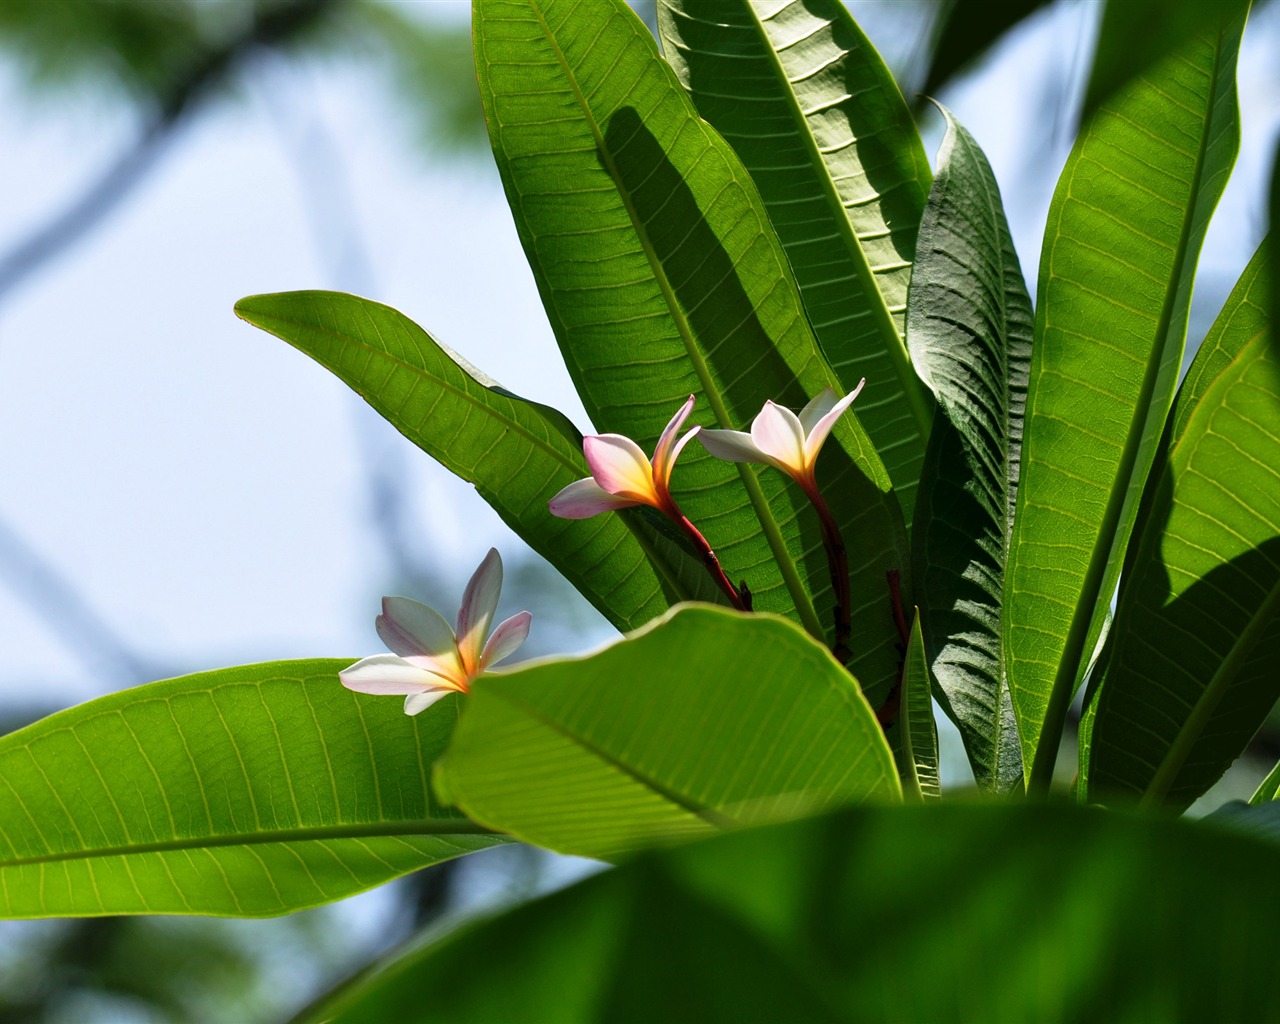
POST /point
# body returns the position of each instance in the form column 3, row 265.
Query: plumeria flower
column 428, row 659
column 781, row 439
column 622, row 475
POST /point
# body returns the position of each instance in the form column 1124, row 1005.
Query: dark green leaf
column 245, row 792
column 969, row 324
column 935, row 913
column 1121, row 244
column 1192, row 670
column 707, row 719
column 967, row 30
column 816, row 117
column 662, row 277
column 918, row 758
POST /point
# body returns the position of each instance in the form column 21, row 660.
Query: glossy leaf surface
column 816, row 117
column 662, row 277
column 969, row 325
column 517, row 453
column 1192, row 671
column 706, row 720
column 1124, row 232
column 245, row 792
column 876, row 914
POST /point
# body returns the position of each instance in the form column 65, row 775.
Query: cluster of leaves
column 753, row 218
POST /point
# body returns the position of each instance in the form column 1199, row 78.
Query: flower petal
column 666, row 452
column 817, row 433
column 411, row 628
column 818, row 406
column 585, row 498
column 504, row 641
column 479, row 602
column 416, row 703
column 620, row 467
column 385, row 673
column 732, row 446
column 776, row 431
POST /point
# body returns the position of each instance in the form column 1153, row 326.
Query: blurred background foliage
column 160, row 64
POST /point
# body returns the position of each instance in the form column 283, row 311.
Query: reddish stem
column 838, row 563
column 740, row 599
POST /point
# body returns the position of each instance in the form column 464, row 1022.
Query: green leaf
column 662, row 276
column 967, row 30
column 707, row 719
column 1268, row 788
column 1124, row 232
column 517, row 453
column 969, row 325
column 1136, row 34
column 1192, row 670
column 816, row 117
column 918, row 761
column 245, row 792
column 876, row 914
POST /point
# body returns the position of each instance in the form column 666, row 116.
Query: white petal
column 479, row 602
column 620, row 467
column 585, row 498
column 504, row 641
column 777, row 433
column 817, row 434
column 410, row 628
column 416, row 703
column 385, row 673
column 821, row 404
column 664, row 455
column 732, row 446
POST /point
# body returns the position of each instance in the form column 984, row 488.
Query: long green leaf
column 662, row 276
column 1124, row 232
column 708, row 719
column 245, row 792
column 969, row 325
column 875, row 914
column 517, row 453
column 816, row 117
column 1192, row 673
column 918, row 758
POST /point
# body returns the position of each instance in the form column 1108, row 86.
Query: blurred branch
column 48, row 593
column 271, row 25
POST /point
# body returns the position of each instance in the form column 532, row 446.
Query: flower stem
column 740, row 599
column 838, row 563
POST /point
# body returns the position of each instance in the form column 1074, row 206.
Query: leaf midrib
column 764, row 515
column 310, row 834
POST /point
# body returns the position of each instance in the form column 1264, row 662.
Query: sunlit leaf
column 1192, row 670
column 969, row 326
column 816, row 117
column 1124, row 232
column 707, row 720
column 517, row 453
column 933, row 913
column 244, row 792
column 662, row 277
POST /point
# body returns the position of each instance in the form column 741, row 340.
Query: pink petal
column 411, row 628
column 479, row 602
column 504, row 640
column 817, row 434
column 777, row 433
column 585, row 498
column 619, row 466
column 666, row 452
column 821, row 404
column 732, row 446
column 416, row 703
column 385, row 673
